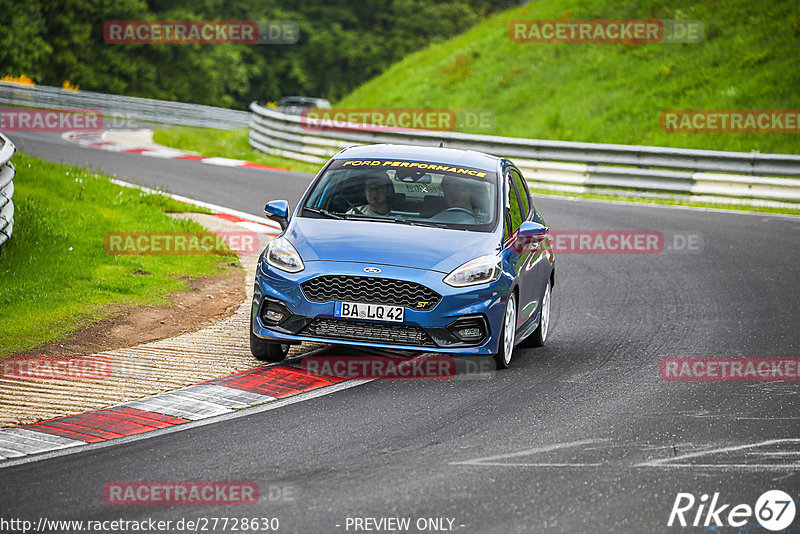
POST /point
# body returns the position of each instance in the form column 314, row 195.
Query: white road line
column 669, row 462
column 492, row 460
column 496, row 461
column 733, row 467
column 521, row 464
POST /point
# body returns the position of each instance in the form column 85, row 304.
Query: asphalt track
column 581, row 435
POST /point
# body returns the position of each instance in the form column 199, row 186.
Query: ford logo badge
column 371, row 270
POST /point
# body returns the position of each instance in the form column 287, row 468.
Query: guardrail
column 705, row 175
column 126, row 107
column 7, row 172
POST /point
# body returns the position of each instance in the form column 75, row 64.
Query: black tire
column 266, row 351
column 503, row 356
column 539, row 336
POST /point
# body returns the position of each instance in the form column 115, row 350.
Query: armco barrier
column 6, row 189
column 127, row 107
column 708, row 175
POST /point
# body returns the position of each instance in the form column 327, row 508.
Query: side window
column 522, row 189
column 514, row 208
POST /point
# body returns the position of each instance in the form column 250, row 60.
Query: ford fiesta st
column 407, row 247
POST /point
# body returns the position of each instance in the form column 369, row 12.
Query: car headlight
column 282, row 255
column 478, row 271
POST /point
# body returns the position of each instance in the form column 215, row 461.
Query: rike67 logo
column 774, row 510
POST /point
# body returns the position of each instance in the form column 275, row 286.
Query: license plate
column 373, row 312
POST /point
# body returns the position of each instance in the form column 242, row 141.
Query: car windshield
column 410, row 192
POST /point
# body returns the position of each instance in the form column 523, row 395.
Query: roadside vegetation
column 609, row 93
column 340, row 45
column 55, row 275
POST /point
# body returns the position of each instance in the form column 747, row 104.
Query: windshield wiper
column 385, row 219
column 399, row 220
column 406, row 221
column 326, row 213
column 369, row 218
column 416, row 222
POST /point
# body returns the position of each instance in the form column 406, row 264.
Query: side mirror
column 278, row 211
column 531, row 233
column 532, row 230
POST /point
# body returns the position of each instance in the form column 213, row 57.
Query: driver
column 458, row 195
column 377, row 187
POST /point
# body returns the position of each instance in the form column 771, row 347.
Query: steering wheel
column 458, row 210
column 352, row 206
column 456, row 215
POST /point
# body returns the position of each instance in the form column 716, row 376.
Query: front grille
column 376, row 332
column 370, row 289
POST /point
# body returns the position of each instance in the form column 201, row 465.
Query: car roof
column 300, row 100
column 452, row 156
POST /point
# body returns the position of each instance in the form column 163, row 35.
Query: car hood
column 418, row 247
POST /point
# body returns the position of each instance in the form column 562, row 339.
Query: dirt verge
column 207, row 300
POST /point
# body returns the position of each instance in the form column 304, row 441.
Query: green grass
column 55, row 275
column 609, row 93
column 226, row 144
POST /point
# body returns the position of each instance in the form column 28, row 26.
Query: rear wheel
column 503, row 357
column 266, row 351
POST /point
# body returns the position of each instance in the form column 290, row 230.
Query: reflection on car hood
column 420, row 247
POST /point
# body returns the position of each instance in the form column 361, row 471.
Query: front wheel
column 503, row 357
column 266, row 351
column 539, row 336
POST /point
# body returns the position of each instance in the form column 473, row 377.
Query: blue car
column 407, row 247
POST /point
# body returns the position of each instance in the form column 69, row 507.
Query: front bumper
column 421, row 330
